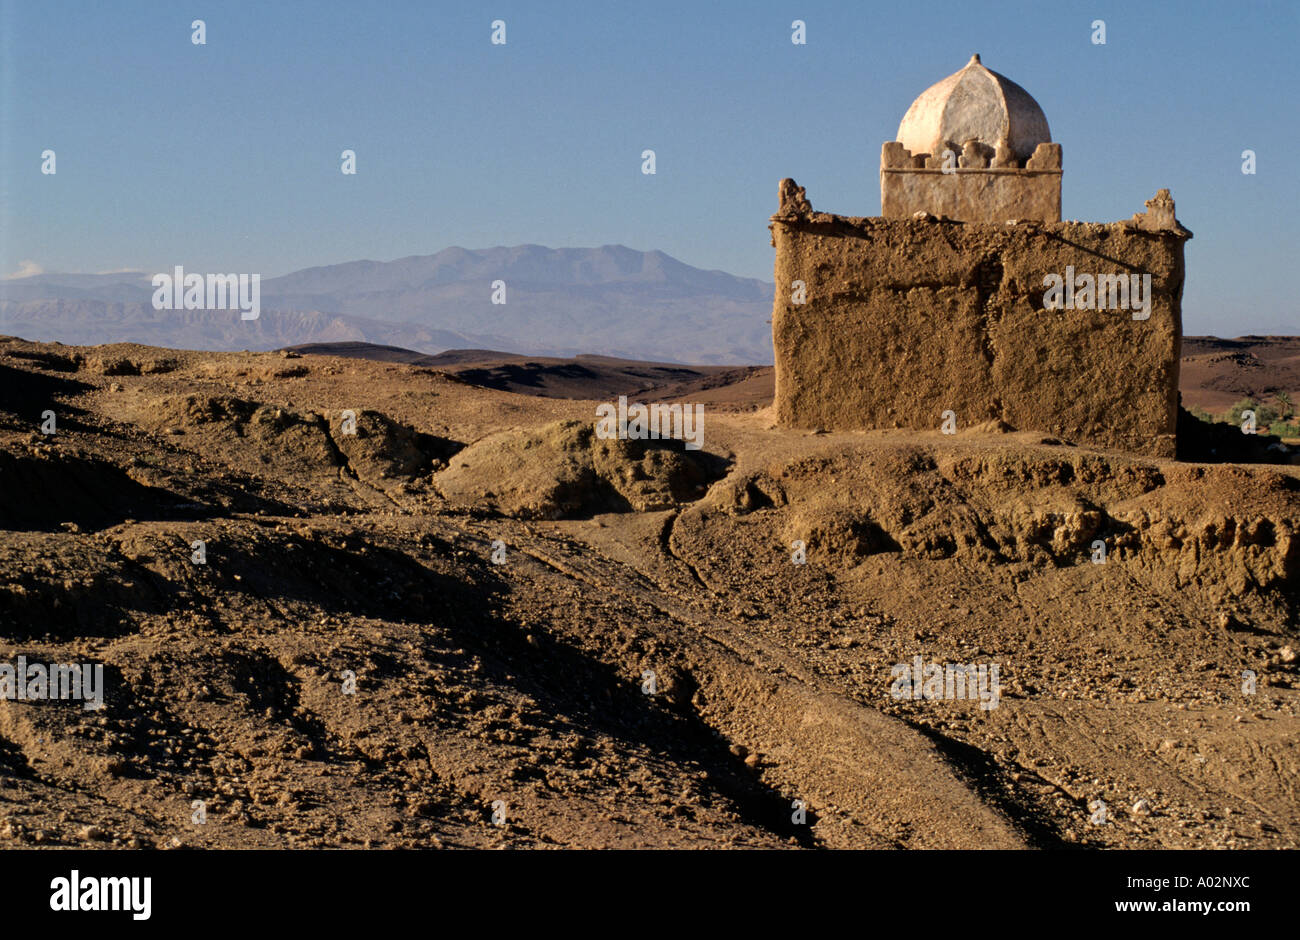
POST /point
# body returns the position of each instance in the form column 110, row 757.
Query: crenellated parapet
column 976, row 183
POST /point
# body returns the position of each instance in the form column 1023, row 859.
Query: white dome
column 975, row 103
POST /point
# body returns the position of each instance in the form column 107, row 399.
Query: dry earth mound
column 565, row 471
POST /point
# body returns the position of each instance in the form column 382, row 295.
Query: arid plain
column 637, row 661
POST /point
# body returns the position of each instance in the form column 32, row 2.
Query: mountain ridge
column 611, row 300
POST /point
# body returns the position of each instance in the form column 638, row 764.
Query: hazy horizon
column 23, row 275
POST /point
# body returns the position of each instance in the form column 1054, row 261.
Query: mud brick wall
column 905, row 319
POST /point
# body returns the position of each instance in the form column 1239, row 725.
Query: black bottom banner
column 604, row 889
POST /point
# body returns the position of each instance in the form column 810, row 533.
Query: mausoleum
column 969, row 295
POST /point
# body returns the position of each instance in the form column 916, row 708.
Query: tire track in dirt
column 857, row 768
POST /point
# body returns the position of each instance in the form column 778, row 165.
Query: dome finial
column 974, row 59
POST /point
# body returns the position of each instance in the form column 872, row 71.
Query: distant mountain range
column 611, row 301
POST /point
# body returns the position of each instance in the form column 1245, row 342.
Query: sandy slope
column 526, row 682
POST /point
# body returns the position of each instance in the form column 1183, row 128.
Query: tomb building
column 969, row 294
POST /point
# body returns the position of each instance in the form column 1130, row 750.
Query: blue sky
column 225, row 157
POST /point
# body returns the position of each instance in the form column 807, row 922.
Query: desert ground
column 473, row 623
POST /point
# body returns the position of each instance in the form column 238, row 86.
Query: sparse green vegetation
column 1264, row 415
